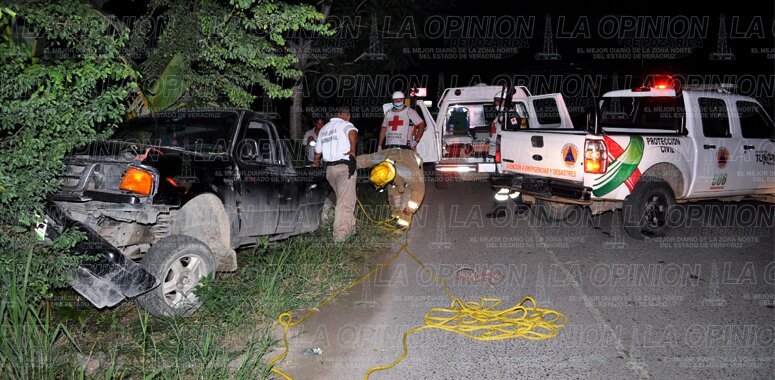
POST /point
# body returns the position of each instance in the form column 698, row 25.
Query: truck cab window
column 258, row 145
column 658, row 112
column 547, row 111
column 754, row 122
column 714, row 116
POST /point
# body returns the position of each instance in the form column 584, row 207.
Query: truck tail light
column 137, row 181
column 595, row 157
column 498, row 150
column 493, row 129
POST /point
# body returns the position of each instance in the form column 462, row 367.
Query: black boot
column 497, row 212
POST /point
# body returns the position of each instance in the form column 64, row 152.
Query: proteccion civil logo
column 570, row 155
column 721, row 157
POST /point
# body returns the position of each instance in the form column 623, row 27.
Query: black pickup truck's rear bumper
column 543, row 187
column 107, row 277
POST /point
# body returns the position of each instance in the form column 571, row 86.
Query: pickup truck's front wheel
column 645, row 211
column 180, row 262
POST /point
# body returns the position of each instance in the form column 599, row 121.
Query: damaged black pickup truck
column 167, row 200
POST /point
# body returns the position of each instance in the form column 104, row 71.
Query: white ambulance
column 457, row 141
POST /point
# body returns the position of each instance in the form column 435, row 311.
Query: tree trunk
column 297, row 109
column 301, row 49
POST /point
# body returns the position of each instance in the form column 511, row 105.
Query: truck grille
column 81, row 175
column 75, row 176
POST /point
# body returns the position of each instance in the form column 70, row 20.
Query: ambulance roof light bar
column 659, row 82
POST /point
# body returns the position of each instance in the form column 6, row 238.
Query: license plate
column 485, row 168
column 40, row 229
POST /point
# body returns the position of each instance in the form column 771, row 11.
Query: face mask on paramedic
column 398, row 100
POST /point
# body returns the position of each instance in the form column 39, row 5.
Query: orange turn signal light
column 595, row 155
column 137, row 181
column 592, row 166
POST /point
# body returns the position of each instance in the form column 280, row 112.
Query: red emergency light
column 419, row 92
column 660, row 82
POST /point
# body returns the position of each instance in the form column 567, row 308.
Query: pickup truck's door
column 429, row 147
column 290, row 188
column 553, row 152
column 548, row 111
column 258, row 200
column 758, row 148
column 718, row 157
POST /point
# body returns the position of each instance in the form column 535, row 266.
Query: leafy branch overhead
column 64, row 85
column 229, row 51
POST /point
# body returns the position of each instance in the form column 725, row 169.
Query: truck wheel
column 180, row 262
column 553, row 211
column 645, row 211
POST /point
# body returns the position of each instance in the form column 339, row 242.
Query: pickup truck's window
column 547, row 111
column 754, row 123
column 663, row 113
column 204, row 133
column 715, row 120
column 264, row 150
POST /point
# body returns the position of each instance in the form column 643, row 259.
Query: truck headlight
column 137, row 181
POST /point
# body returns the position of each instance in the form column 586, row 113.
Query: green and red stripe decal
column 622, row 166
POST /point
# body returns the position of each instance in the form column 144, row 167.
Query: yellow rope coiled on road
column 476, row 320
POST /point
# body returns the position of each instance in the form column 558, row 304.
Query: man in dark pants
column 510, row 119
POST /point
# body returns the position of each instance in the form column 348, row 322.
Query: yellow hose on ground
column 476, row 320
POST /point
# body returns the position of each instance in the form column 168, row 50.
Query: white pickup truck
column 458, row 140
column 649, row 148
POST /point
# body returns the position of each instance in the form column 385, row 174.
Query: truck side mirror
column 248, row 150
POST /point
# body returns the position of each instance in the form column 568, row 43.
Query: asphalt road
column 698, row 304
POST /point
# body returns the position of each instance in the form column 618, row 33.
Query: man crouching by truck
column 400, row 170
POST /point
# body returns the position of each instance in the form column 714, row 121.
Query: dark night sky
column 740, row 40
column 750, row 29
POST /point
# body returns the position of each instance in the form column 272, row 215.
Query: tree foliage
column 229, row 50
column 63, row 85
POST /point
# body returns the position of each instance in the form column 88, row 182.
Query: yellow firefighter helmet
column 383, row 173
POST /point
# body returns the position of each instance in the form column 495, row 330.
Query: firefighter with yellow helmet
column 400, row 171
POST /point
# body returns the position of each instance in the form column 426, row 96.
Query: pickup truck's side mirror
column 248, row 150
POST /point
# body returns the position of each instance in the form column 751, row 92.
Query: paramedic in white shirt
column 402, row 127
